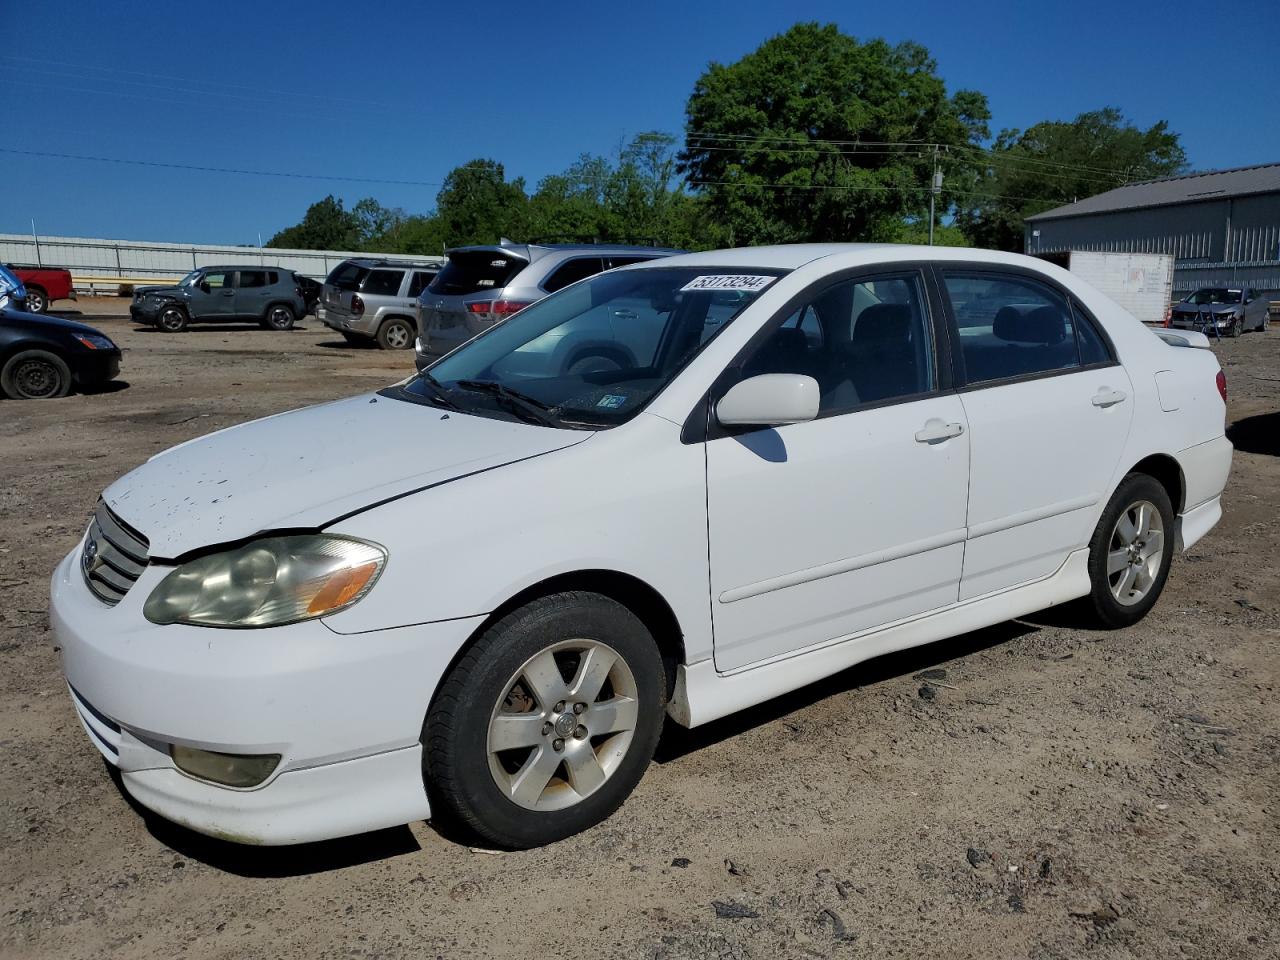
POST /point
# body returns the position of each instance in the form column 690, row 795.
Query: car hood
column 172, row 290
column 310, row 467
column 44, row 323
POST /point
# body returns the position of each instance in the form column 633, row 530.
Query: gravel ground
column 1042, row 791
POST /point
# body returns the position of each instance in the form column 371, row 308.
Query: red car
column 44, row 285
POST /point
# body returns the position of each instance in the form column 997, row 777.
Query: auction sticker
column 729, row 281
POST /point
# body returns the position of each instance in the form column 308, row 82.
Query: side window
column 252, row 278
column 383, row 283
column 216, row 281
column 1093, row 349
column 419, row 282
column 1010, row 326
column 864, row 341
column 571, row 271
column 272, row 277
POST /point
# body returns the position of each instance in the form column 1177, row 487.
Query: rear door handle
column 1109, row 398
column 936, row 431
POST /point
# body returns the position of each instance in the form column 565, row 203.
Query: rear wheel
column 547, row 722
column 395, row 334
column 35, row 375
column 279, row 317
column 172, row 319
column 1131, row 550
column 37, row 300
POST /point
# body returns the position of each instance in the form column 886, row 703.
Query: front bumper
column 345, row 712
column 1190, row 322
column 144, row 312
column 97, row 366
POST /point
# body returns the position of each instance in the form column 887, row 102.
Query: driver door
column 823, row 530
column 213, row 297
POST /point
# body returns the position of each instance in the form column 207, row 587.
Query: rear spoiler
column 1183, row 338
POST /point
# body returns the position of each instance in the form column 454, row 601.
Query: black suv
column 270, row 295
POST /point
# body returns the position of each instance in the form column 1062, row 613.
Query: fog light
column 228, row 769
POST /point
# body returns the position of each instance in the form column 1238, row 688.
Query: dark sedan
column 42, row 357
column 1227, row 311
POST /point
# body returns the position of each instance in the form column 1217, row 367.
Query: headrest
column 1042, row 325
column 883, row 323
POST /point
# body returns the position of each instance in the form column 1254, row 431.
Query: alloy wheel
column 1136, row 552
column 563, row 725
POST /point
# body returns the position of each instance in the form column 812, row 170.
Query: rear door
column 213, row 298
column 252, row 292
column 1049, row 410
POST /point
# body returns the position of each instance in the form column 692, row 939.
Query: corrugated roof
column 1210, row 185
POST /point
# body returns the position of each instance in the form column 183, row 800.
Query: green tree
column 326, row 226
column 477, row 204
column 1054, row 163
column 816, row 136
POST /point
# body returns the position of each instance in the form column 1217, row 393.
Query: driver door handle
column 1109, row 398
column 936, row 431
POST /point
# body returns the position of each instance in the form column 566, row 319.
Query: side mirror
column 204, row 286
column 770, row 400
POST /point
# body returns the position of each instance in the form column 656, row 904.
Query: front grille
column 114, row 556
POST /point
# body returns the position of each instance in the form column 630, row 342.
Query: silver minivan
column 375, row 300
column 478, row 286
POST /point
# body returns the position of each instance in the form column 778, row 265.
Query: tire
column 535, row 792
column 172, row 319
column 279, row 316
column 396, row 334
column 37, row 300
column 35, row 375
column 1127, row 574
column 602, row 362
column 1233, row 331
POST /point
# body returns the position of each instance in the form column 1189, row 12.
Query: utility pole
column 36, row 237
column 935, row 188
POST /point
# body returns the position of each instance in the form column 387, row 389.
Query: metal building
column 1222, row 227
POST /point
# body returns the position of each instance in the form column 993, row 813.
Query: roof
column 1210, row 185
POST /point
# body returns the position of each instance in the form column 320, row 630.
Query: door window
column 864, row 341
column 571, row 271
column 1012, row 326
column 215, row 281
column 419, row 282
column 252, row 278
column 383, row 283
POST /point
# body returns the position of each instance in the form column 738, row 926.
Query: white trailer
column 1142, row 283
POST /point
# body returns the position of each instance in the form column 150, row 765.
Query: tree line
column 814, row 136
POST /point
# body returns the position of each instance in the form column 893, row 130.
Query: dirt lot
column 1058, row 792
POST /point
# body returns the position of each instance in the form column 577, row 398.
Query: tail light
column 492, row 310
column 1222, row 385
column 357, row 305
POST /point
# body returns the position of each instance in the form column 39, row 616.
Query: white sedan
column 478, row 592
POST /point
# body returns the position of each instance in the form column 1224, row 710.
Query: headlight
column 95, row 341
column 268, row 582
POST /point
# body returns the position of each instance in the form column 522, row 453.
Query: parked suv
column 268, row 295
column 375, row 300
column 479, row 286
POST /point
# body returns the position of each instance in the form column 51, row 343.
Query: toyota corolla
column 478, row 592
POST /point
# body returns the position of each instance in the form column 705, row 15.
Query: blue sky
column 408, row 91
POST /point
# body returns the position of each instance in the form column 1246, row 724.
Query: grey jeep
column 271, row 296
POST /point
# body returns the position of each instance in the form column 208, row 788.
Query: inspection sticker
column 611, row 401
column 729, row 281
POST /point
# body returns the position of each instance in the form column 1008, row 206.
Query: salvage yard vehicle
column 375, row 301
column 44, row 286
column 269, row 295
column 503, row 572
column 1227, row 311
column 481, row 285
column 42, row 358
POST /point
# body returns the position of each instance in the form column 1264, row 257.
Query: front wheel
column 1131, row 551
column 279, row 317
column 172, row 319
column 35, row 375
column 395, row 334
column 1234, row 330
column 548, row 721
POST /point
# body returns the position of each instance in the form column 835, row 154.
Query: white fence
column 95, row 262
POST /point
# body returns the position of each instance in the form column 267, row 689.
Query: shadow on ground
column 1258, row 434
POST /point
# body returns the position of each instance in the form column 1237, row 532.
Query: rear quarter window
column 571, row 271
column 347, row 276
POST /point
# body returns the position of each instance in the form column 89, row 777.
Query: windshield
column 189, row 279
column 593, row 354
column 1214, row 295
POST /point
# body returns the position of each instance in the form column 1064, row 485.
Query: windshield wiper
column 438, row 395
column 523, row 406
